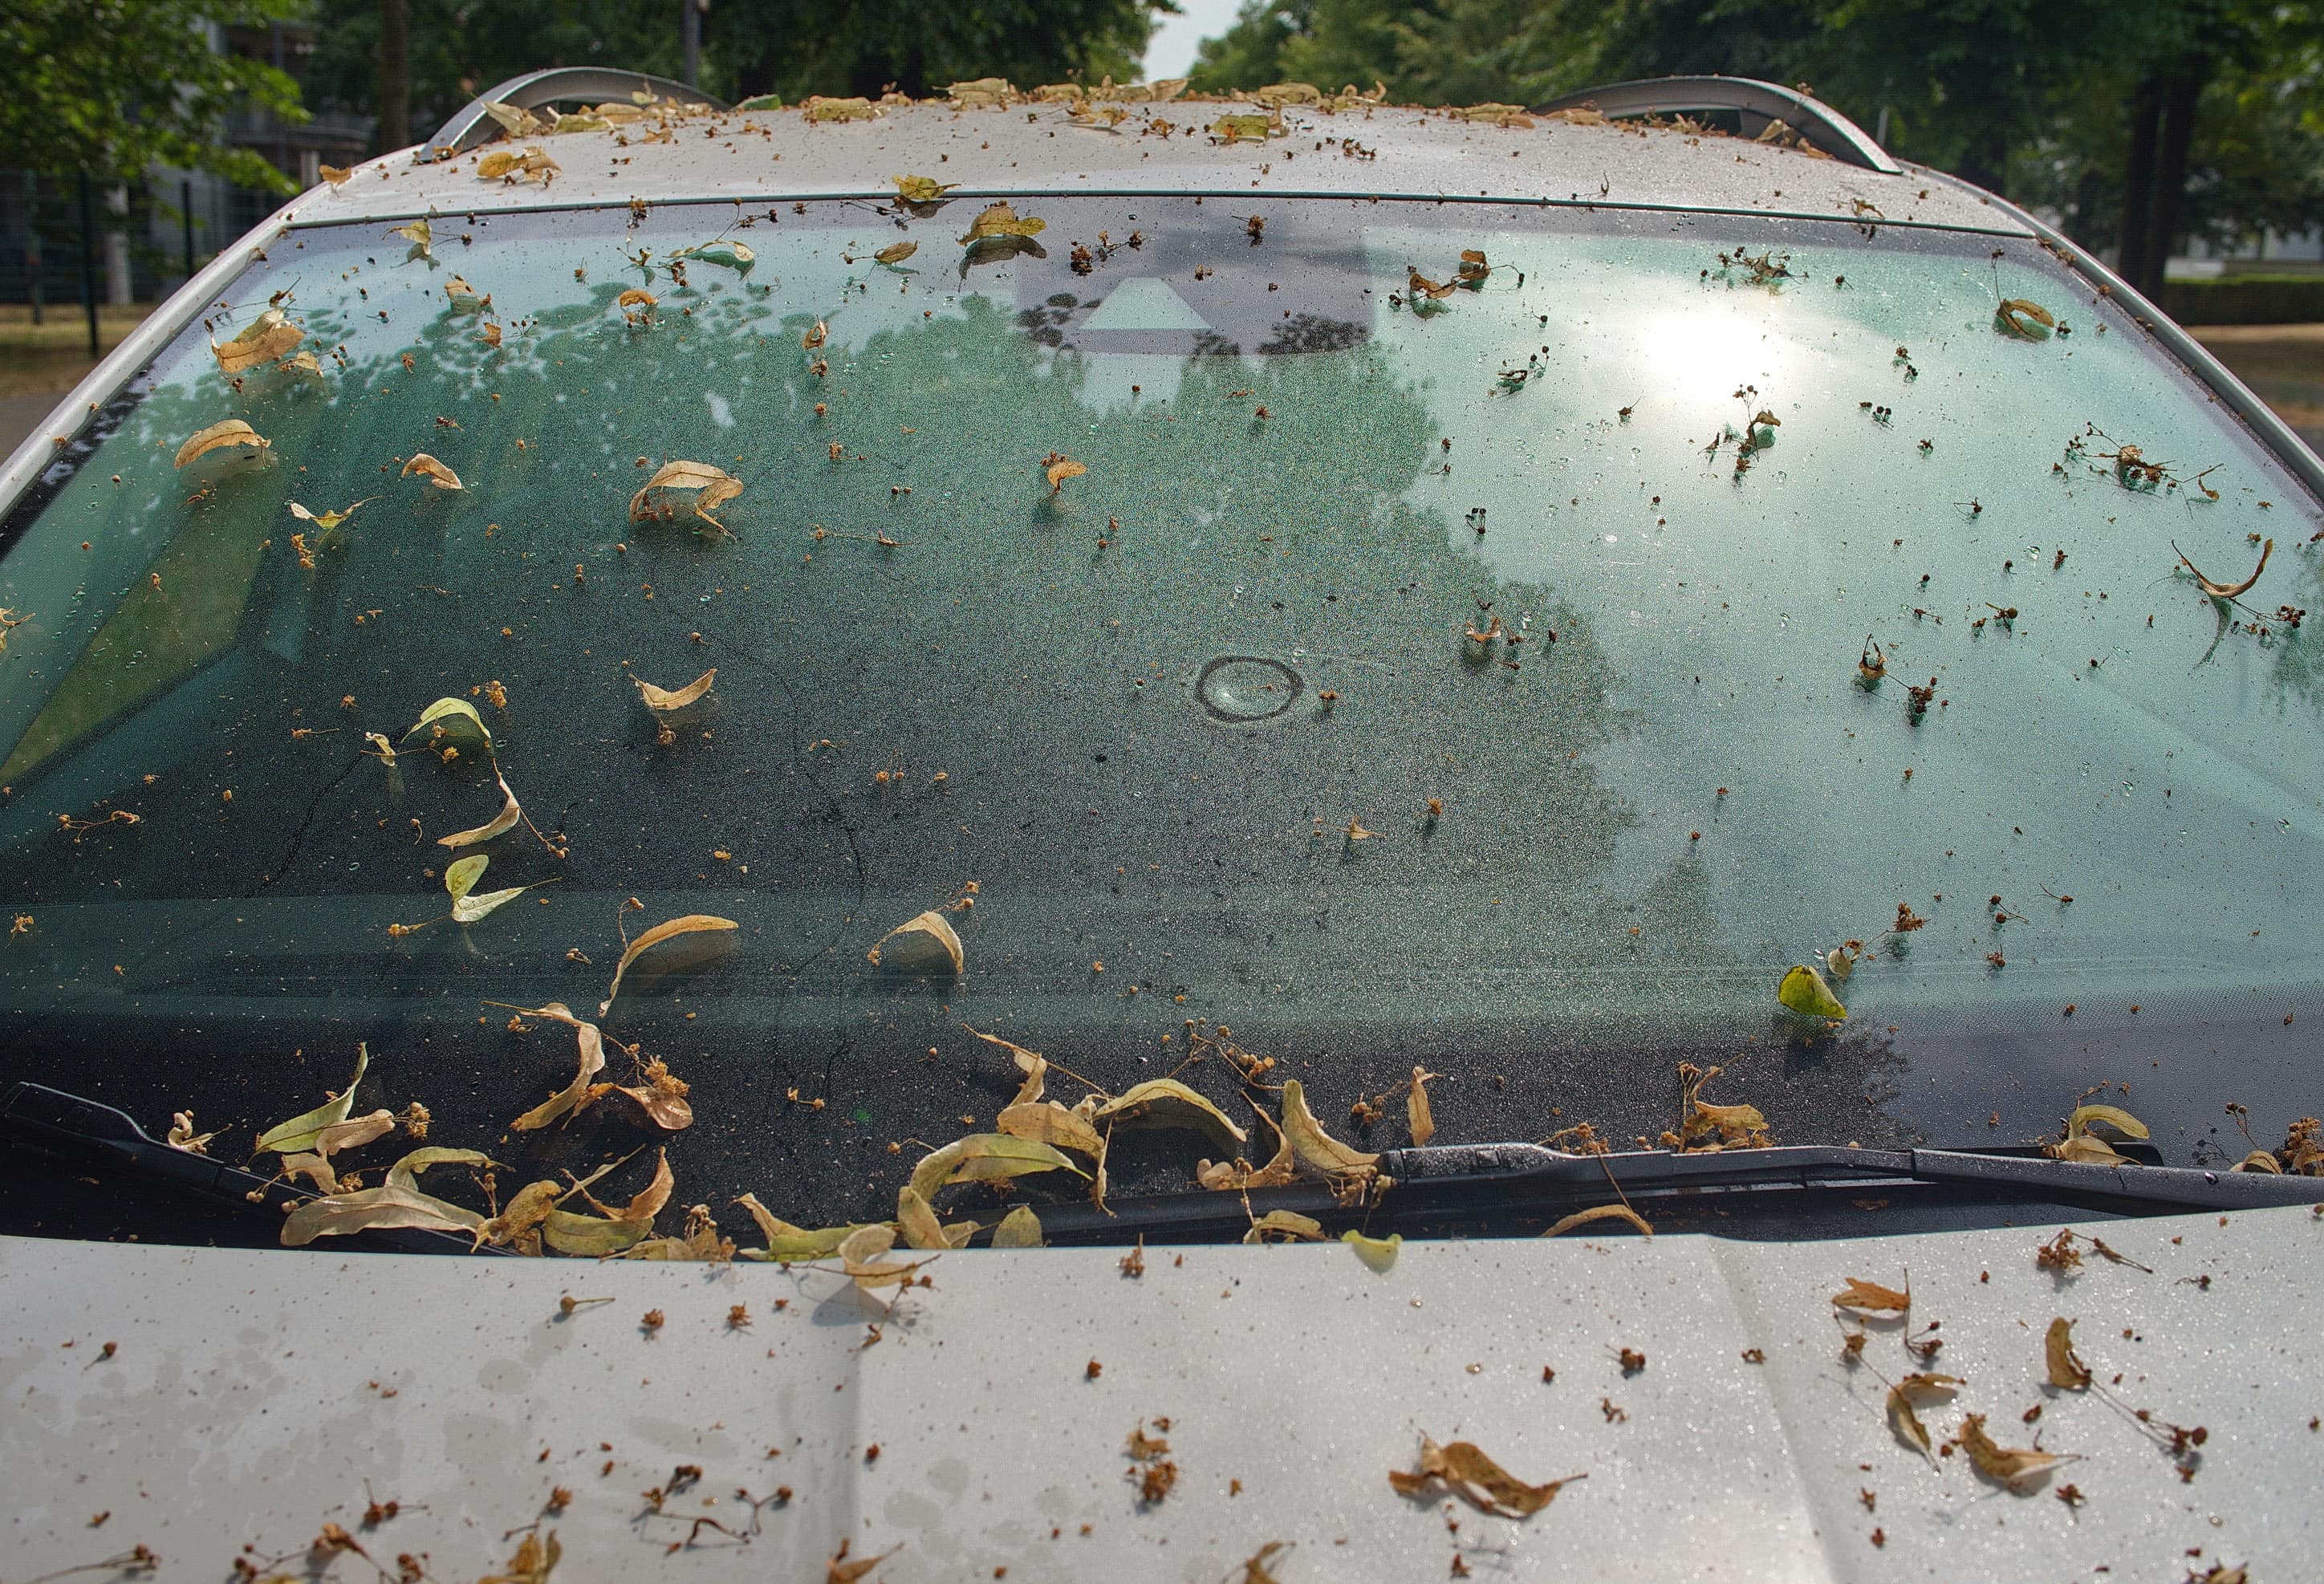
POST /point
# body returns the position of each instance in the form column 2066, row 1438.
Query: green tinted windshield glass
column 1514, row 674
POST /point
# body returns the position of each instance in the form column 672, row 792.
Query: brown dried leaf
column 716, row 486
column 2009, row 1466
column 2227, row 591
column 982, row 1157
column 637, row 304
column 1469, row 1474
column 896, row 253
column 536, row 1557
column 918, row 1221
column 1020, row 1229
column 504, row 821
column 936, row 927
column 1165, row 1102
column 1873, row 1298
column 1601, row 1212
column 2017, row 317
column 576, row 1094
column 1318, row 1148
column 398, row 1203
column 1285, row 1226
column 1001, row 220
column 662, row 700
column 1415, row 1108
column 1032, row 1064
column 671, row 929
column 839, row 1569
column 1059, row 468
column 2067, row 1370
column 270, row 336
column 1048, row 1122
column 231, row 432
column 435, row 471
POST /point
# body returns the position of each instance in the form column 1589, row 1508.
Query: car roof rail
column 1757, row 103
column 473, row 125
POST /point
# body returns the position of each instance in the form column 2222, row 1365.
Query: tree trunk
column 394, row 74
column 2179, row 105
column 2139, row 181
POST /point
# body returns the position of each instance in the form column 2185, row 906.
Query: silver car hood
column 225, row 1404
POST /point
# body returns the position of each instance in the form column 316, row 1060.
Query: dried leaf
column 896, row 253
column 353, row 1133
column 536, row 1557
column 1165, row 1102
column 787, row 1244
column 2017, row 317
column 637, row 304
column 2088, row 1151
column 931, row 923
column 589, row 1236
column 500, row 823
column 1379, row 1253
column 691, row 924
column 2009, row 1466
column 921, row 190
column 1601, row 1212
column 1907, row 1424
column 270, row 336
column 459, row 880
column 1001, row 220
column 327, row 520
column 183, row 1137
column 1415, row 1108
column 1279, row 1172
column 1872, row 1298
column 576, row 1094
column 231, row 432
column 1032, row 1064
column 1059, row 468
column 1469, row 1474
column 300, row 1132
column 450, row 717
column 663, row 1107
column 1804, row 991
column 817, row 107
column 918, row 1221
column 1286, row 1226
column 839, row 1569
column 1236, row 128
column 1254, row 1567
column 2114, row 1117
column 982, row 1157
column 2217, row 591
column 1048, row 1122
column 1318, row 1148
column 509, row 118
column 337, row 175
column 661, row 700
column 420, row 235
column 398, row 1203
column 1020, row 1229
column 2067, row 1370
column 859, row 1255
column 716, row 486
column 435, row 471
column 2260, row 1160
column 725, row 250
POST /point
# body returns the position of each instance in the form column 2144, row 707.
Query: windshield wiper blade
column 85, row 1133
column 1446, row 1186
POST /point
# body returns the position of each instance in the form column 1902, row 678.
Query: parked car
column 1035, row 670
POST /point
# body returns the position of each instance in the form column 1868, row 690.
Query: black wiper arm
column 84, row 1133
column 1447, row 1184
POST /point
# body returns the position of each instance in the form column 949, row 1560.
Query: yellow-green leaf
column 1020, row 1229
column 999, row 220
column 2114, row 1117
column 921, row 190
column 300, row 1131
column 917, row 1220
column 1804, row 991
column 1286, row 1226
column 233, row 431
column 1165, row 1102
column 1379, row 1253
column 1048, row 1122
column 1318, row 1148
column 691, row 924
column 982, row 1157
column 456, row 716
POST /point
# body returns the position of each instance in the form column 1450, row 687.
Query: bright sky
column 1171, row 50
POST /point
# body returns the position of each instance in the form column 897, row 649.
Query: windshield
column 1513, row 676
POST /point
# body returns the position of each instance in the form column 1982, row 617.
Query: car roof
column 1027, row 148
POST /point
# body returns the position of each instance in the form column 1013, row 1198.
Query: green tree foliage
column 800, row 47
column 459, row 49
column 2043, row 97
column 107, row 88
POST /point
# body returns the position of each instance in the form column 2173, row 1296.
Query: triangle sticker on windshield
column 1145, row 302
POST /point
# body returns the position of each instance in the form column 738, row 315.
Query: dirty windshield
column 1233, row 641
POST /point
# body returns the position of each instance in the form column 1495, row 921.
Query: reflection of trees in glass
column 1313, row 333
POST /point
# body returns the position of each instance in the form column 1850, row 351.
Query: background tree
column 2135, row 124
column 105, row 89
